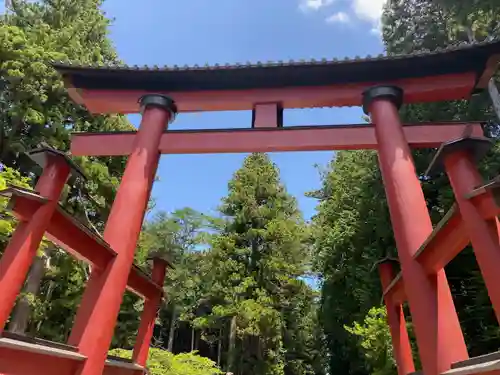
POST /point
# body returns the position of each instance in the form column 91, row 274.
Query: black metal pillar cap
column 159, row 101
column 392, row 93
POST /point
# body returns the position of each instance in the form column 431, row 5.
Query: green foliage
column 238, row 288
column 245, row 267
column 35, row 109
column 375, row 339
column 253, row 274
column 34, row 105
column 8, row 176
column 452, row 23
column 351, row 232
column 162, row 362
column 352, row 229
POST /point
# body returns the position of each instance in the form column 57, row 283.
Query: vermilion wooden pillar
column 439, row 336
column 397, row 324
column 148, row 316
column 21, row 250
column 484, row 234
column 96, row 318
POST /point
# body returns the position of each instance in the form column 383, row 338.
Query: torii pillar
column 397, row 323
column 439, row 336
column 21, row 250
column 150, row 311
column 459, row 158
column 96, row 318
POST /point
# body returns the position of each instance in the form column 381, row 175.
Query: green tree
column 375, row 340
column 8, row 176
column 460, row 22
column 161, row 362
column 353, row 229
column 35, row 109
column 177, row 235
column 254, row 267
column 352, row 232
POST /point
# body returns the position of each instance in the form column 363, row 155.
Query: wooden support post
column 397, row 324
column 267, row 115
column 483, row 233
column 439, row 336
column 21, row 250
column 148, row 316
column 96, row 318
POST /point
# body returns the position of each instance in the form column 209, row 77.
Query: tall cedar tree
column 35, row 109
column 353, row 228
column 254, row 277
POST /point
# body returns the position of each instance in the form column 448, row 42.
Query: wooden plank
column 80, row 241
column 300, row 138
column 480, row 368
column 40, row 349
column 495, row 356
column 416, row 90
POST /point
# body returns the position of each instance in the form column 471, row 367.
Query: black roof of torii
column 463, row 58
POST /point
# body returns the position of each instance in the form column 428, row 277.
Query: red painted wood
column 72, row 239
column 22, row 362
column 444, row 246
column 486, row 205
column 141, row 285
column 266, row 115
column 397, row 324
column 274, row 140
column 96, row 317
column 65, row 233
column 484, row 234
column 396, row 293
column 28, row 362
column 19, row 253
column 417, row 90
column 447, row 243
column 439, row 336
column 148, row 316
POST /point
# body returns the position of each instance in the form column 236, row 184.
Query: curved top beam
column 453, row 73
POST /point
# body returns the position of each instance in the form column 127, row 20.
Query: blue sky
column 192, row 32
column 166, row 32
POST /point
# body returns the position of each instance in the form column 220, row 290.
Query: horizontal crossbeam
column 301, row 138
column 417, row 90
column 79, row 241
column 449, row 237
column 23, row 355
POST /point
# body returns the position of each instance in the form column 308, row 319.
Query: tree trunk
column 192, row 339
column 48, row 297
column 495, row 96
column 171, row 331
column 22, row 311
column 219, row 348
column 231, row 362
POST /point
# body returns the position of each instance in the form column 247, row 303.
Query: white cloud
column 339, row 17
column 307, row 5
column 369, row 10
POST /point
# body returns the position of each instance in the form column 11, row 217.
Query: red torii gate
column 380, row 85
